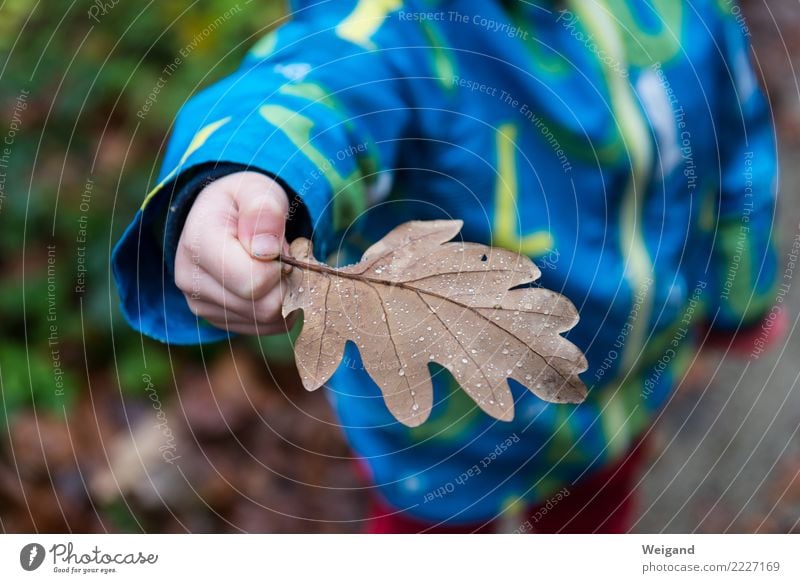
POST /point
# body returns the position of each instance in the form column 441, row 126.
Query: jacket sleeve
column 744, row 269
column 319, row 104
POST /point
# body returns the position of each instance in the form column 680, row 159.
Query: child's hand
column 226, row 258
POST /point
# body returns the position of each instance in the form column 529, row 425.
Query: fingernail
column 265, row 246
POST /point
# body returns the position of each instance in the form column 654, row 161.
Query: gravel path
column 727, row 448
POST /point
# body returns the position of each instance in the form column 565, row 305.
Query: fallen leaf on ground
column 416, row 299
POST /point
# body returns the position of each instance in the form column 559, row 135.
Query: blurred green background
column 76, row 78
column 90, row 413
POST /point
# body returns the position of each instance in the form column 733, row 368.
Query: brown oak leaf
column 414, row 299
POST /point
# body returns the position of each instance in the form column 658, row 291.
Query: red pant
column 602, row 502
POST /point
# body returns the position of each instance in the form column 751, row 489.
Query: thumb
column 261, row 225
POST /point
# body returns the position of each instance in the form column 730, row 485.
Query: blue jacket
column 624, row 145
